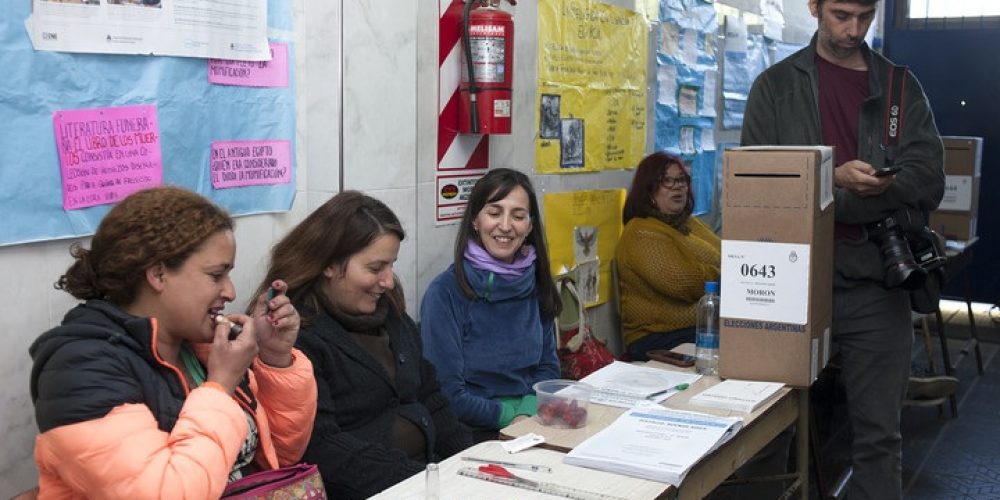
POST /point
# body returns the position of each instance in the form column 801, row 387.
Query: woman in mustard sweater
column 664, row 257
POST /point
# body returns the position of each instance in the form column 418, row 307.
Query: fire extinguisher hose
column 470, row 67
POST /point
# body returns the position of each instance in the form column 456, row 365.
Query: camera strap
column 894, row 111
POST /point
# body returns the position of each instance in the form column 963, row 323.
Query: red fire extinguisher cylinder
column 485, row 106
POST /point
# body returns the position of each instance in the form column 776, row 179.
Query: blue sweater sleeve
column 441, row 318
column 548, row 366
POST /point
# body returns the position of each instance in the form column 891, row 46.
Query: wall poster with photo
column 571, row 145
column 582, row 229
column 592, row 88
column 548, row 121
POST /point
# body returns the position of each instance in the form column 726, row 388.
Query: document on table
column 737, row 395
column 653, row 442
column 624, row 384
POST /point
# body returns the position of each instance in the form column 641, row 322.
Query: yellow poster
column 582, row 230
column 591, row 87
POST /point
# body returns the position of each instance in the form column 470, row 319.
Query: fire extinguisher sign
column 453, row 195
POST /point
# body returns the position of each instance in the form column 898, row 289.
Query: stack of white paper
column 623, row 384
column 737, row 395
column 652, row 442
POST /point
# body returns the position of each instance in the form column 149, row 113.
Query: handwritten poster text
column 250, row 163
column 273, row 73
column 105, row 154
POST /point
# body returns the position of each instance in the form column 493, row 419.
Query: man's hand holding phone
column 885, row 171
column 862, row 178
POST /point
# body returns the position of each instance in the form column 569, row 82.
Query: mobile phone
column 670, row 357
column 271, row 293
column 884, row 171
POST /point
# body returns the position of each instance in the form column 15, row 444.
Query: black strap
column 894, row 111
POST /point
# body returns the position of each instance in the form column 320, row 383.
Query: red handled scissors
column 501, row 472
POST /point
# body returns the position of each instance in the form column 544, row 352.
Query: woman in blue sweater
column 487, row 321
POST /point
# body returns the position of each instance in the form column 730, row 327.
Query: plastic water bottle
column 707, row 331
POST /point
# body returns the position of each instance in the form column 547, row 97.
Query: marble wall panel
column 379, row 94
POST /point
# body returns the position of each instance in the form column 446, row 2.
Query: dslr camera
column 911, row 251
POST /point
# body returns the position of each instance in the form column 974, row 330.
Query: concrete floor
column 943, row 457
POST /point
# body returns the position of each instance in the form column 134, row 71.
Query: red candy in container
column 562, row 403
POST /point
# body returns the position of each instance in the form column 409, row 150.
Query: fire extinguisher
column 488, row 74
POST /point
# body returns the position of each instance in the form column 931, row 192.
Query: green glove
column 511, row 407
column 528, row 406
column 508, row 410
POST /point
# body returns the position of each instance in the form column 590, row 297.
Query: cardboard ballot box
column 777, row 263
column 956, row 216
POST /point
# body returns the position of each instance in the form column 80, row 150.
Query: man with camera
column 889, row 173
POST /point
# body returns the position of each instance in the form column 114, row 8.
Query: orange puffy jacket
column 117, row 421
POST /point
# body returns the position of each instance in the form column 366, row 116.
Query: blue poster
column 191, row 114
column 740, row 69
column 687, row 73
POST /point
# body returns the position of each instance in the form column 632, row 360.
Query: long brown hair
column 493, row 187
column 340, row 228
column 646, row 182
column 162, row 225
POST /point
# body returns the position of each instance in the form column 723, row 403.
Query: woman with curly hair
column 147, row 390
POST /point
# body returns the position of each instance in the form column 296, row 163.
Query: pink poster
column 106, row 154
column 273, row 73
column 250, row 163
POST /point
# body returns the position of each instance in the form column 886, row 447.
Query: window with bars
column 948, row 14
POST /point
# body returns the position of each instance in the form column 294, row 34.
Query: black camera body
column 929, row 254
column 910, row 250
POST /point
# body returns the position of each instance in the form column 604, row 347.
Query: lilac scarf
column 481, row 259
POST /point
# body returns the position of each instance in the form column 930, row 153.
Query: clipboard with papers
column 652, row 442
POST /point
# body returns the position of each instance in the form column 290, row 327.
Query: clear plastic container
column 562, row 403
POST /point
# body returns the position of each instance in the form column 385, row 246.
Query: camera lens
column 901, row 269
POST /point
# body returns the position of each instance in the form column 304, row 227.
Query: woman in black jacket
column 381, row 416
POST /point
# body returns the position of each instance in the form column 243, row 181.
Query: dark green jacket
column 783, row 109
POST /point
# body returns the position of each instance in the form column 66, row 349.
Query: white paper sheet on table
column 624, row 384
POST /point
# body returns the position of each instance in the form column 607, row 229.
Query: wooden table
column 452, row 485
column 759, row 428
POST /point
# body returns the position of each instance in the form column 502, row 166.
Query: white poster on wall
column 773, row 14
column 235, row 29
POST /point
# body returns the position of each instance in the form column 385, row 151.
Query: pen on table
column 678, row 387
column 510, row 465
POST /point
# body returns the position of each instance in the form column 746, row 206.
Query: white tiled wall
column 380, row 115
column 29, row 304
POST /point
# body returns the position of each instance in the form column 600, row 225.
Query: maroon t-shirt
column 841, row 93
